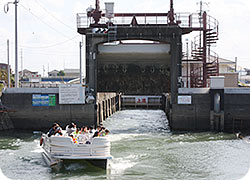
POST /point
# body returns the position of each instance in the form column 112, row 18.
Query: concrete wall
column 23, row 115
column 237, row 109
column 196, row 116
column 5, row 121
column 193, row 117
column 26, row 116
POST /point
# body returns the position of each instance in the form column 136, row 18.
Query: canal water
column 143, row 148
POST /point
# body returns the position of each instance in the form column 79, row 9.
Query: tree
column 61, row 73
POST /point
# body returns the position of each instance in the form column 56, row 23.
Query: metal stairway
column 206, row 61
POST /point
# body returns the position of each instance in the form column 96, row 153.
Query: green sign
column 43, row 100
column 52, row 100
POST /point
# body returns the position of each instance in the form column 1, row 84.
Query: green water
column 142, row 147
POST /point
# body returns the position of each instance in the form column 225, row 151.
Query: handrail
column 184, row 20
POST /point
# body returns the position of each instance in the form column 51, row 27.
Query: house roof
column 28, row 71
column 54, row 71
column 226, row 61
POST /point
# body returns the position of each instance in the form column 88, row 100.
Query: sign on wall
column 71, row 94
column 141, row 100
column 43, row 100
column 184, row 99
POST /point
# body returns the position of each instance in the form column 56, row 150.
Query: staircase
column 205, row 60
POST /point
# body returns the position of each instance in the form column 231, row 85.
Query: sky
column 48, row 38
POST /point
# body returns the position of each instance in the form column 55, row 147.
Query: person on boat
column 55, row 130
column 97, row 131
column 104, row 132
column 84, row 130
column 77, row 132
column 71, row 128
column 58, row 130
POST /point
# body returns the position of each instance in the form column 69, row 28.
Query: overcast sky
column 48, row 36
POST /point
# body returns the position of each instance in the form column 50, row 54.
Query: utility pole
column 187, row 61
column 16, row 49
column 8, row 61
column 21, row 63
column 80, row 54
column 6, row 9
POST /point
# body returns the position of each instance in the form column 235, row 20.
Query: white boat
column 61, row 149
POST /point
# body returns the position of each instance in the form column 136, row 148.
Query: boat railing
column 64, row 146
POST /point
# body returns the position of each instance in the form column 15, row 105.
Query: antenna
column 201, row 6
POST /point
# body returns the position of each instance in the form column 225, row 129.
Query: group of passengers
column 82, row 135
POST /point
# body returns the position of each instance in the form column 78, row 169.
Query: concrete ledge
column 237, row 90
column 30, row 90
column 193, row 90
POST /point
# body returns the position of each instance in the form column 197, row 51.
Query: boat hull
column 61, row 151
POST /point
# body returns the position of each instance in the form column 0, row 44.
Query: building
column 67, row 73
column 227, row 68
column 53, row 73
column 72, row 72
column 26, row 74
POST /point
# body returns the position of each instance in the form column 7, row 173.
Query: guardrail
column 141, row 101
column 185, row 20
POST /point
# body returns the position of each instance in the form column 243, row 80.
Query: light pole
column 6, row 9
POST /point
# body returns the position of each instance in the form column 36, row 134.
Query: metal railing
column 185, row 20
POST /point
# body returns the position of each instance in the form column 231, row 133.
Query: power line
column 49, row 46
column 54, row 16
column 44, row 21
column 35, row 48
column 52, row 54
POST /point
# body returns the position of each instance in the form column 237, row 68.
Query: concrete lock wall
column 22, row 114
column 237, row 109
column 196, row 116
column 25, row 116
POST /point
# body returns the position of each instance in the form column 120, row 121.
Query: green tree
column 61, row 73
column 3, row 75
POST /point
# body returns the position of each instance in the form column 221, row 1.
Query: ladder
column 112, row 33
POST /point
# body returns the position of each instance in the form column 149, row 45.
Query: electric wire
column 44, row 21
column 54, row 16
column 65, row 53
column 49, row 46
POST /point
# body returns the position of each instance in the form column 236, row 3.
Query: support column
column 176, row 55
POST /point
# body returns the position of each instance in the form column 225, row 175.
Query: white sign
column 184, row 99
column 141, row 100
column 71, row 94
